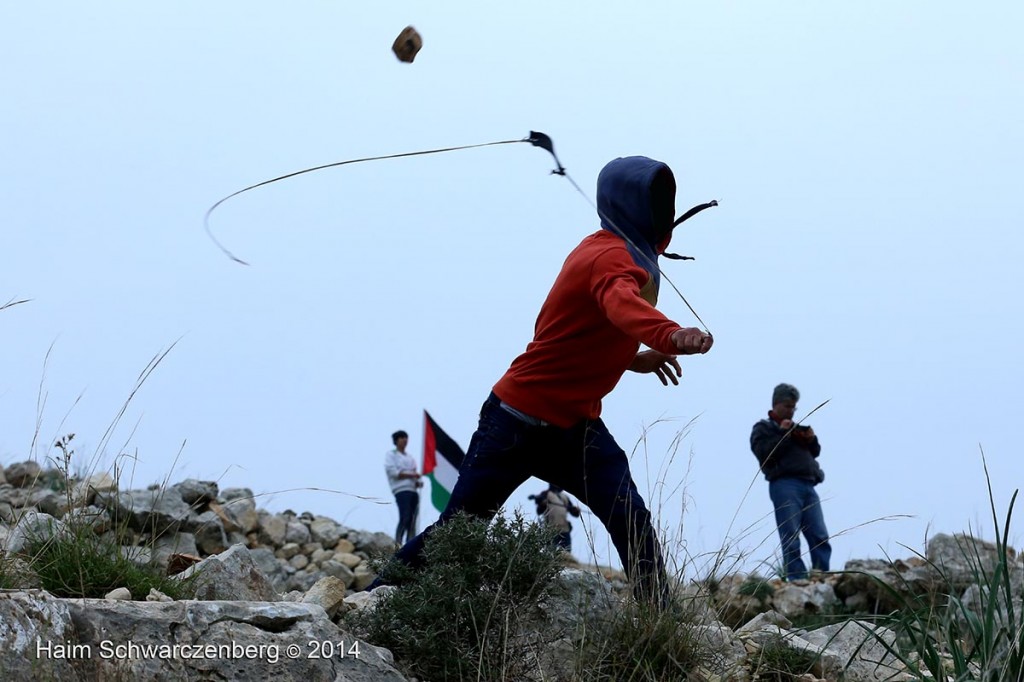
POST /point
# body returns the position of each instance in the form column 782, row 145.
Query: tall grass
column 82, row 555
column 977, row 634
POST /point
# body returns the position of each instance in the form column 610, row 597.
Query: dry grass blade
column 11, row 303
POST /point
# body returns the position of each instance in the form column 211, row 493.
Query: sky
column 867, row 245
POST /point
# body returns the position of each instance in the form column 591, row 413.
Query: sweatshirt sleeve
column 615, row 282
column 764, row 438
column 392, row 466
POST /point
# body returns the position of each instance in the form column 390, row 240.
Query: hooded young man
column 543, row 417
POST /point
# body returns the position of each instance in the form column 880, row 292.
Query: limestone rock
column 217, row 629
column 340, row 571
column 363, row 577
column 33, row 527
column 862, row 650
column 196, row 493
column 287, row 551
column 367, row 601
column 273, row 530
column 233, row 575
column 23, row 474
column 119, row 594
column 275, row 570
column 350, row 560
column 170, row 544
column 28, row 620
column 240, row 505
column 208, row 529
column 794, row 600
column 157, row 595
column 50, row 502
column 328, row 592
column 297, row 532
column 762, row 621
column 157, row 511
column 84, row 491
column 961, row 557
column 325, row 531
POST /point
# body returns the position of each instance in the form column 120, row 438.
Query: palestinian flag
column 442, row 458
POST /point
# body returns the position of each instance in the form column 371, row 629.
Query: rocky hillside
column 271, row 593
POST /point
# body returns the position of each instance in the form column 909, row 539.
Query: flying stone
column 407, row 44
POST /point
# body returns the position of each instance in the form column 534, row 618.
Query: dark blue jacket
column 781, row 455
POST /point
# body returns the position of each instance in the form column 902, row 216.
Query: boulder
column 795, row 600
column 240, row 505
column 325, row 531
column 84, row 491
column 36, row 632
column 50, row 502
column 23, row 474
column 208, row 529
column 170, row 544
column 962, row 559
column 280, row 641
column 273, row 530
column 328, row 593
column 340, row 571
column 297, row 532
column 233, row 575
column 275, row 570
column 157, row 511
column 196, row 493
column 863, row 650
column 33, row 527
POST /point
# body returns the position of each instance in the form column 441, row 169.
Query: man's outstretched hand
column 666, row 367
column 691, row 341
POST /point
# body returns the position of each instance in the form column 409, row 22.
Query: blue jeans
column 408, row 507
column 798, row 510
column 584, row 460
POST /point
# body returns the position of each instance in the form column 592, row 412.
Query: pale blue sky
column 867, row 157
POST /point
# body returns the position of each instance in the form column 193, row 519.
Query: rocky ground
column 273, row 591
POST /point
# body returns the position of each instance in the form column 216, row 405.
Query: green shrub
column 79, row 563
column 639, row 643
column 776, row 662
column 465, row 615
column 758, row 588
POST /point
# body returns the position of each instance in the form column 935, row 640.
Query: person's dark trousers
column 798, row 510
column 408, row 505
column 564, row 540
column 584, row 460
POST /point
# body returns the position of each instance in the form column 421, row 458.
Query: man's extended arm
column 615, row 283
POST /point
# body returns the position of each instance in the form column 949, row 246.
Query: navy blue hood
column 636, row 200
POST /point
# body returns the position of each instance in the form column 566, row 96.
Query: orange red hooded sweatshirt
column 600, row 308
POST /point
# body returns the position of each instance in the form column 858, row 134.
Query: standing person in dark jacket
column 788, row 455
column 543, row 417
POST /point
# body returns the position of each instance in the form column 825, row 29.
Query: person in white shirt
column 405, row 481
column 554, row 506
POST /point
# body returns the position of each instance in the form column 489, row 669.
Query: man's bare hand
column 691, row 341
column 666, row 367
